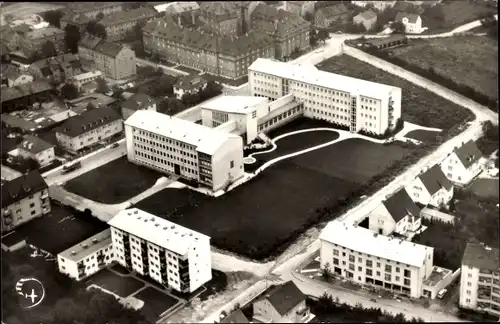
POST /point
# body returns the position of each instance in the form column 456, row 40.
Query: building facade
column 354, row 103
column 15, row 79
column 93, row 9
column 480, row 279
column 359, row 255
column 121, row 24
column 212, row 158
column 327, row 16
column 431, row 188
column 367, row 19
column 81, row 79
column 23, row 199
column 412, row 22
column 301, row 8
column 170, row 254
column 463, row 164
column 34, row 148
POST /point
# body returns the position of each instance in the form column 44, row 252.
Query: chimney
column 179, row 20
column 193, row 18
column 73, row 253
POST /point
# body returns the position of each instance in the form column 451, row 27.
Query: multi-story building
column 463, row 164
column 88, row 257
column 301, row 8
column 21, row 96
column 115, row 61
column 89, row 128
column 93, row 9
column 174, row 146
column 121, row 24
column 368, row 258
column 34, row 148
column 358, row 104
column 431, row 188
column 79, row 20
column 24, row 198
column 480, row 279
column 33, row 39
column 411, row 21
column 327, row 16
column 223, row 17
column 81, row 79
column 367, row 19
column 190, row 84
column 170, row 254
column 56, row 69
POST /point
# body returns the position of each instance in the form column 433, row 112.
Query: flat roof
column 234, row 104
column 88, row 247
column 87, row 75
column 363, row 240
column 309, row 74
column 207, row 140
column 481, row 257
column 156, row 230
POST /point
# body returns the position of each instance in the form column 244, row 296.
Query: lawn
column 485, row 188
column 457, row 13
column 114, row 182
column 418, row 105
column 155, row 303
column 422, row 135
column 122, row 286
column 467, row 60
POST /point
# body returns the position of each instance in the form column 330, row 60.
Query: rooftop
column 90, row 41
column 206, row 140
column 369, row 14
column 87, row 121
column 400, row 205
column 121, row 17
column 24, row 90
column 76, row 18
column 235, row 317
column 22, row 187
column 468, row 153
column 332, row 11
column 363, row 240
column 481, row 257
column 412, row 18
column 34, row 144
column 386, row 40
column 90, row 6
column 190, row 82
column 44, row 32
column 284, row 297
column 436, row 276
column 277, row 22
column 88, row 247
column 434, row 179
column 234, row 104
column 109, row 49
column 157, row 230
column 177, row 7
column 311, row 75
column 138, row 101
column 86, row 75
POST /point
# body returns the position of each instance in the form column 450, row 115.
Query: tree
column 71, row 38
column 398, row 27
column 326, row 271
column 171, row 106
column 96, row 29
column 53, row 17
column 190, row 99
column 309, row 16
column 99, row 16
column 313, row 41
column 69, row 91
column 91, row 106
column 102, row 86
column 164, row 86
column 48, row 49
column 323, row 35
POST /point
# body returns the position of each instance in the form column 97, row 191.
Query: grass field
column 422, row 135
column 122, row 286
column 22, row 9
column 457, row 13
column 485, row 188
column 418, row 105
column 114, row 182
column 468, row 60
column 155, row 303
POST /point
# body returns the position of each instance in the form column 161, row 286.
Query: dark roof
column 4, row 50
column 236, row 317
column 89, row 6
column 412, row 18
column 221, row 10
column 125, row 16
column 434, row 179
column 386, row 40
column 468, row 153
column 33, row 144
column 481, row 256
column 138, row 101
column 90, row 41
column 285, row 297
column 332, row 11
column 400, row 205
column 109, row 49
column 190, row 82
column 87, row 121
column 24, row 90
column 22, row 187
column 369, row 14
column 277, row 22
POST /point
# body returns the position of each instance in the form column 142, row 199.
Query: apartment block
column 359, row 255
column 170, row 254
column 87, row 257
column 177, row 147
column 92, row 9
column 36, row 149
column 121, row 24
column 480, row 280
column 358, row 104
column 23, row 199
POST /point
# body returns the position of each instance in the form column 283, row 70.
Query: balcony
column 6, row 212
column 45, row 194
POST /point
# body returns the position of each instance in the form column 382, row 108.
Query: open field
column 468, row 60
column 122, row 286
column 485, row 188
column 457, row 13
column 422, row 135
column 114, row 182
column 155, row 303
column 22, row 9
column 418, row 105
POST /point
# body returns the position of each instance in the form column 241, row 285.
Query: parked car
column 71, row 167
column 114, row 145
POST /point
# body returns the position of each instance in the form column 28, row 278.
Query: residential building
column 121, row 24
column 92, row 9
column 89, row 128
column 98, row 100
column 139, row 101
column 236, row 316
column 172, row 255
column 81, row 79
column 177, row 147
column 327, row 16
column 190, row 84
column 37, row 149
column 224, row 56
column 282, row 304
column 9, row 38
column 397, row 214
column 223, row 18
column 24, row 95
column 88, row 257
column 23, row 199
column 16, row 78
column 354, row 103
column 57, row 69
column 367, row 19
column 387, row 42
column 115, row 61
column 412, row 22
column 480, row 279
column 175, row 8
column 379, row 5
column 431, row 188
column 359, row 255
column 463, row 164
column 289, row 31
column 71, row 18
column 301, row 8
column 34, row 39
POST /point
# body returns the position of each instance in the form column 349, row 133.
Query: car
column 373, row 300
column 114, row 145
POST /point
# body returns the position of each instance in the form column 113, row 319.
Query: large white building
column 480, row 279
column 354, row 103
column 368, row 258
column 174, row 146
column 170, row 254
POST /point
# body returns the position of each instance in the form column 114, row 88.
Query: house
column 387, row 42
column 479, row 284
column 36, row 149
column 301, row 8
column 463, row 164
column 282, row 304
column 431, row 188
column 324, row 17
column 367, row 18
column 138, row 101
column 16, row 78
column 412, row 22
column 397, row 214
column 23, row 199
column 93, row 9
column 56, row 69
column 81, row 79
column 189, row 85
column 34, row 39
column 24, row 95
column 121, row 25
column 235, row 317
column 379, row 5
column 89, row 128
column 71, row 18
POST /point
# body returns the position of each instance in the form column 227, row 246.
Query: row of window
column 369, row 263
column 278, row 118
column 165, row 154
column 167, row 163
column 160, row 138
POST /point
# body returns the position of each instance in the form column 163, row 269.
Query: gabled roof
column 109, row 49
column 33, row 144
column 468, row 153
column 138, row 101
column 235, row 317
column 285, row 297
column 332, row 11
column 22, row 187
column 24, row 90
column 412, row 18
column 177, row 7
column 190, row 82
column 367, row 15
column 481, row 256
column 87, row 121
column 221, row 10
column 121, row 17
column 434, row 179
column 400, row 205
column 90, row 41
